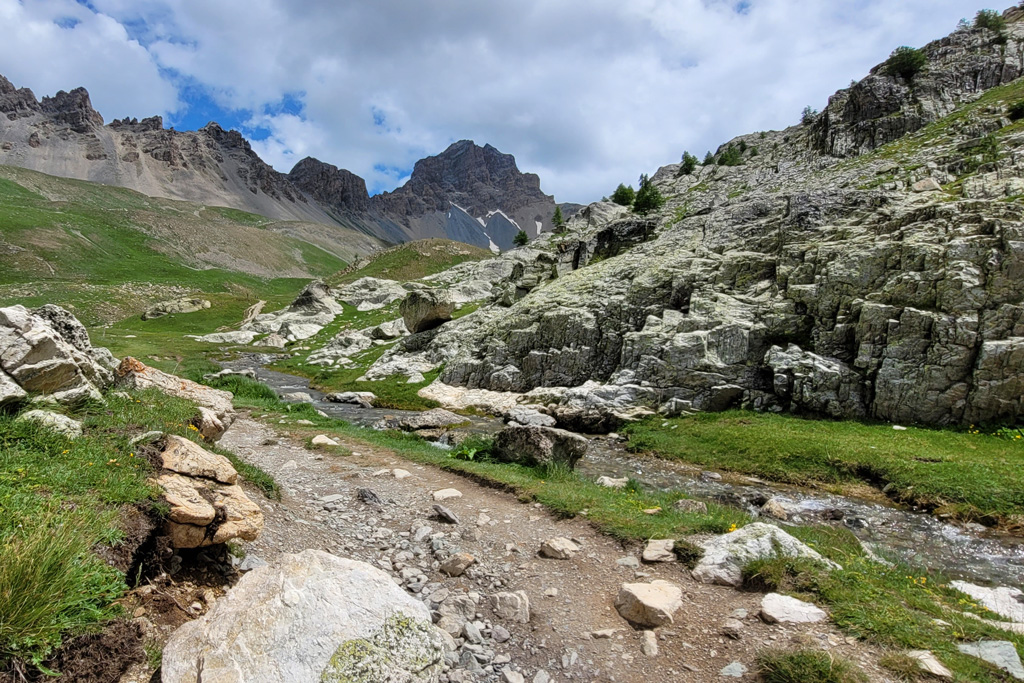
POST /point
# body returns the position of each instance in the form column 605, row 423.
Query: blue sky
column 586, row 93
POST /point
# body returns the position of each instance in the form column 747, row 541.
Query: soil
column 569, row 599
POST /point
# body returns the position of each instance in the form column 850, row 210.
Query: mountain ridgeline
column 467, row 193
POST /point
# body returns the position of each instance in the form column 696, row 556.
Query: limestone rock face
column 426, row 309
column 62, row 424
column 312, row 310
column 207, row 505
column 10, row 392
column 725, row 556
column 37, row 357
column 309, row 618
column 532, row 445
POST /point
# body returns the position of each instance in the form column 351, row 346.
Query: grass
column 412, row 261
column 60, row 499
column 803, row 666
column 106, row 252
column 969, row 474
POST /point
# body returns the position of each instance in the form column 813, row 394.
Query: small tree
column 521, row 238
column 624, row 195
column 990, row 19
column 709, row 158
column 557, row 219
column 905, row 62
column 732, row 156
column 807, row 115
column 647, row 197
column 689, row 164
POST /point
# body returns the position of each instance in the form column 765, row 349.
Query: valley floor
column 569, row 599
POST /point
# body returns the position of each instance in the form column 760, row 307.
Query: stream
column 968, row 552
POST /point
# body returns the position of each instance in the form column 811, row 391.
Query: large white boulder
column 10, row 392
column 777, row 608
column 309, row 618
column 726, row 555
column 55, row 422
column 41, row 361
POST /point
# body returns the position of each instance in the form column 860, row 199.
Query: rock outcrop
column 796, row 280
column 726, row 555
column 309, row 618
column 134, row 374
column 182, row 305
column 426, row 309
column 47, row 352
column 533, row 445
column 207, row 506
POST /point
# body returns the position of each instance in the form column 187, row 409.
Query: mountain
column 467, row 193
column 867, row 262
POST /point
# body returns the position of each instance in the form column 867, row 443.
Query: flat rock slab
column 776, row 608
column 929, row 663
column 192, row 460
column 999, row 653
column 1004, row 601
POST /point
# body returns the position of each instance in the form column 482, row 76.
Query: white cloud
column 51, row 45
column 587, row 94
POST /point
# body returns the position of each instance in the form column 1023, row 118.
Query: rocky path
column 574, row 632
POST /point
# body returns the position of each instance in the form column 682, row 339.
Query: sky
column 585, row 93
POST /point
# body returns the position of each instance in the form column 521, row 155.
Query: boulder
column 10, row 392
column 929, row 663
column 726, row 555
column 531, row 416
column 207, row 507
column 181, row 305
column 312, row 310
column 511, row 606
column 776, row 609
column 55, row 422
column 309, row 618
column 926, row 185
column 530, row 445
column 457, row 564
column 1005, row 601
column 392, row 329
column 558, row 548
column 370, row 293
column 363, row 399
column 323, row 440
column 41, row 361
column 649, row 604
column 690, row 506
column 613, row 482
column 210, row 426
column 134, row 374
column 425, row 309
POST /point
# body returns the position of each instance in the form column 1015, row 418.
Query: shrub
column 990, row 19
column 1016, row 111
column 689, row 164
column 624, row 195
column 647, row 197
column 521, row 238
column 808, row 114
column 905, row 62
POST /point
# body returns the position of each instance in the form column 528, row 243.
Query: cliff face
column 467, row 193
column 846, row 267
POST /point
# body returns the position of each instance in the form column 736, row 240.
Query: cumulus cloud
column 587, row 94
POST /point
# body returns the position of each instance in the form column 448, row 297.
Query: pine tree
column 521, row 238
column 624, row 195
column 689, row 164
column 647, row 197
column 557, row 218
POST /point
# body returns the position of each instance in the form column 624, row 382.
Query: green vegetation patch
column 802, row 666
column 970, row 474
column 412, row 261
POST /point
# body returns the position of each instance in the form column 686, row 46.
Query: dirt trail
column 569, row 599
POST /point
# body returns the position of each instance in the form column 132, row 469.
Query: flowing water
column 968, row 552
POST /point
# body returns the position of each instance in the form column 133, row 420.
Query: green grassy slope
column 412, row 261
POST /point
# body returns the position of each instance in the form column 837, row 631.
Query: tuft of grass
column 903, row 667
column 970, row 474
column 803, row 666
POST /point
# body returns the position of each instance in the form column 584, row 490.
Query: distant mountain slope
column 467, row 193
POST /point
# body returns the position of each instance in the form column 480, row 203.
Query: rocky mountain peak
column 330, row 185
column 225, row 138
column 74, row 109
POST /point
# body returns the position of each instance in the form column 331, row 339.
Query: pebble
column 649, row 645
